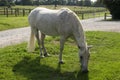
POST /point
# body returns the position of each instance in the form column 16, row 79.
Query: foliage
column 36, row 3
column 3, row 2
column 26, row 2
column 114, row 7
column 49, row 2
column 80, row 3
column 98, row 4
column 7, row 3
column 87, row 3
column 17, row 64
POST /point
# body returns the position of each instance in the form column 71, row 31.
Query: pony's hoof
column 47, row 55
column 61, row 62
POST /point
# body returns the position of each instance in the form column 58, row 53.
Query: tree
column 98, row 3
column 114, row 7
column 17, row 2
column 37, row 2
column 11, row 3
column 80, row 3
column 3, row 2
column 27, row 2
column 87, row 2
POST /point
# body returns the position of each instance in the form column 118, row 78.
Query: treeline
column 10, row 3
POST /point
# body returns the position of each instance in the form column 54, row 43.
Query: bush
column 3, row 2
column 27, row 2
column 114, row 8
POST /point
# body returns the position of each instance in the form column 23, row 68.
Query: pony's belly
column 51, row 32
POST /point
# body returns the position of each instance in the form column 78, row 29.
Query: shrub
column 114, row 8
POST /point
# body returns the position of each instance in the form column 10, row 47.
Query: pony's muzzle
column 84, row 65
column 85, row 71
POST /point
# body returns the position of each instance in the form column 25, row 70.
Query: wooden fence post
column 105, row 16
column 18, row 11
column 82, row 15
column 15, row 12
column 29, row 10
column 11, row 11
column 23, row 12
column 4, row 11
column 7, row 12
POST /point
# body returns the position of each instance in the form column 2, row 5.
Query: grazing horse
column 64, row 23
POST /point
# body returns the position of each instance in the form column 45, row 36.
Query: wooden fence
column 14, row 11
column 22, row 12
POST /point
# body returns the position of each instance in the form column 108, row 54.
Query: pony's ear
column 89, row 46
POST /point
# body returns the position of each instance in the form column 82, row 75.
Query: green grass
column 12, row 22
column 104, row 63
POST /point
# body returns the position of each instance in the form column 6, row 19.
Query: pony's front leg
column 62, row 41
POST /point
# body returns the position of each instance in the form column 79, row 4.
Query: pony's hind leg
column 39, row 42
column 42, row 43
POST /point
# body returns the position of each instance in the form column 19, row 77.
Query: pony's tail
column 31, row 42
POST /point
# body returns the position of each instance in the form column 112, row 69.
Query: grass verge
column 17, row 64
column 12, row 22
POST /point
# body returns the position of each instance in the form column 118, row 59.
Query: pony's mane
column 70, row 12
column 77, row 20
column 67, row 9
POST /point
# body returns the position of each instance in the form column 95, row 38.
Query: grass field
column 12, row 22
column 104, row 64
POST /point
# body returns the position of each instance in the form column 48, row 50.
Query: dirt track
column 98, row 24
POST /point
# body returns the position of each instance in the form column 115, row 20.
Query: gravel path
column 98, row 24
column 15, row 36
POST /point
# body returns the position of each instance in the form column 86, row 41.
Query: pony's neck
column 82, row 42
column 78, row 31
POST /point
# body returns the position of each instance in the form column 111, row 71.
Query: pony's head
column 84, row 58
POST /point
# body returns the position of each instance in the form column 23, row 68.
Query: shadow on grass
column 33, row 70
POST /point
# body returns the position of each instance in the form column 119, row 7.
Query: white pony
column 64, row 23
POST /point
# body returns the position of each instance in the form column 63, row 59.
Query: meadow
column 12, row 22
column 17, row 64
